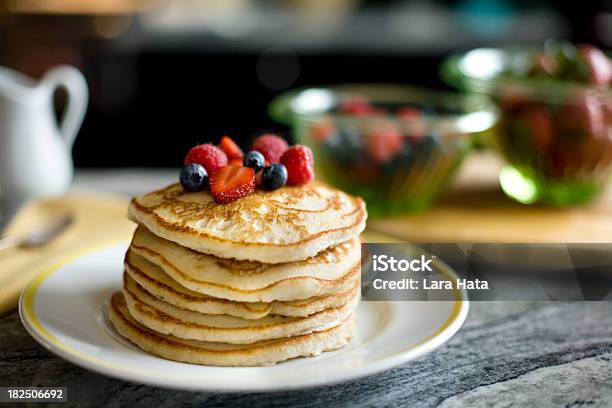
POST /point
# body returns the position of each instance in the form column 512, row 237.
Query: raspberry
column 231, row 183
column 271, row 146
column 207, row 155
column 299, row 162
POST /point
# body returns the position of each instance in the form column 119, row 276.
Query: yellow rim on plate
column 48, row 340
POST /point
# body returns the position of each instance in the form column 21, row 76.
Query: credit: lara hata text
column 386, row 263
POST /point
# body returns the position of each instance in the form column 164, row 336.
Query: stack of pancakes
column 269, row 277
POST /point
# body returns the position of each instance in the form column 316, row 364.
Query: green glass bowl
column 354, row 152
column 556, row 136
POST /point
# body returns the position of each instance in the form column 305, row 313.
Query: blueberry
column 274, row 176
column 254, row 160
column 193, row 177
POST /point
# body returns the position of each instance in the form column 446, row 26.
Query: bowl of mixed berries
column 555, row 127
column 396, row 146
column 229, row 174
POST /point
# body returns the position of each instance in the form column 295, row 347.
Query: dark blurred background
column 165, row 75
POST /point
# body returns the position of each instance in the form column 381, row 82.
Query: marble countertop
column 544, row 354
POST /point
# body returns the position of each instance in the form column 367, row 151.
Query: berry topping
column 254, row 160
column 274, row 176
column 230, row 148
column 193, row 177
column 271, row 146
column 231, row 183
column 207, row 155
column 383, row 144
column 300, row 164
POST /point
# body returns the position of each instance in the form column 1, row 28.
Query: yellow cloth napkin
column 98, row 219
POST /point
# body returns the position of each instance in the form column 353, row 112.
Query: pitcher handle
column 74, row 83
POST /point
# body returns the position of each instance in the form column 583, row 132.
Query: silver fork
column 39, row 235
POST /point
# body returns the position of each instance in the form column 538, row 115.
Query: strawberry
column 231, row 183
column 230, row 148
column 271, row 146
column 299, row 162
column 383, row 144
column 207, row 155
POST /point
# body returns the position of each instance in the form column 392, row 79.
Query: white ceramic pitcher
column 35, row 151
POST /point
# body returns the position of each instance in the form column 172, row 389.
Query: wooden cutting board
column 475, row 210
column 98, row 219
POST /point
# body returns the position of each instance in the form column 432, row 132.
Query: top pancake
column 284, row 225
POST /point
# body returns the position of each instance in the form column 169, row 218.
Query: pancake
column 221, row 354
column 155, row 281
column 288, row 224
column 334, row 270
column 165, row 318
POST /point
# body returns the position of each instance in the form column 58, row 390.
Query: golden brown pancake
column 284, row 225
column 155, row 281
column 165, row 318
column 222, row 354
column 334, row 270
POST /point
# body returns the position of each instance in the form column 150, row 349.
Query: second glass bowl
column 555, row 135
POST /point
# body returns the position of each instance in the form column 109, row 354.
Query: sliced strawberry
column 231, row 149
column 231, row 183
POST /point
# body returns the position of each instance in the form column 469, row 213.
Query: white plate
column 64, row 309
